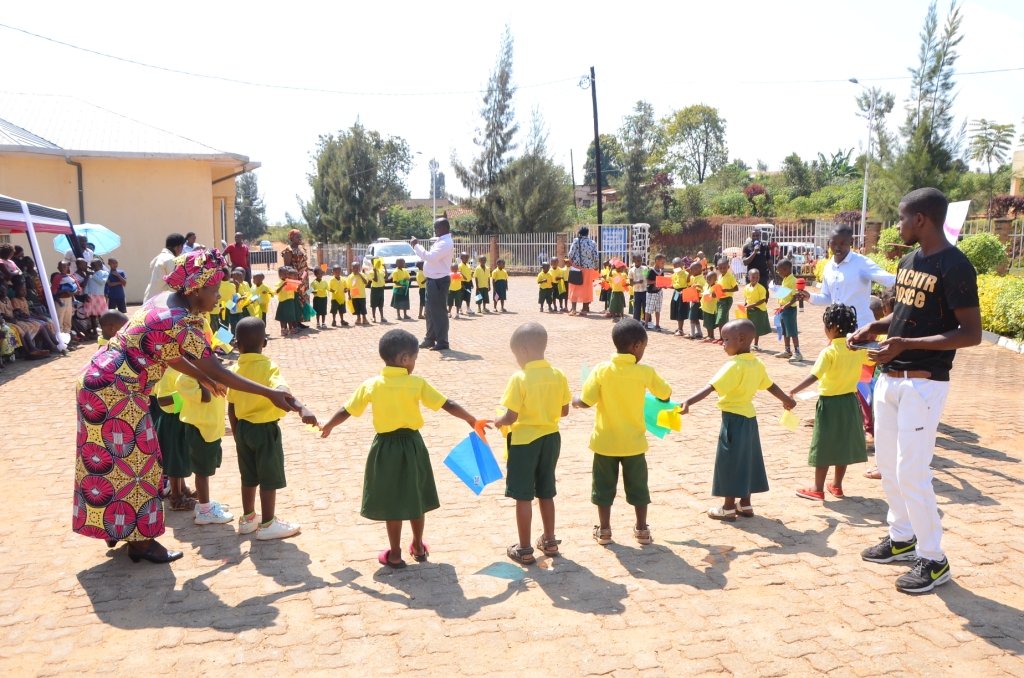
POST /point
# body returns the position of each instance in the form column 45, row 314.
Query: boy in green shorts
column 535, row 399
column 618, row 388
column 257, row 434
column 202, row 420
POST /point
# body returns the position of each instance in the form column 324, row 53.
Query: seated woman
column 47, row 334
column 33, row 285
column 28, row 331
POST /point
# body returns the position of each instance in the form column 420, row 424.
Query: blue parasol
column 102, row 237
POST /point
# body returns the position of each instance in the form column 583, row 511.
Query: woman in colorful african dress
column 295, row 256
column 118, row 465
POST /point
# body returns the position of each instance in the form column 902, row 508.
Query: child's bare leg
column 203, row 489
column 820, row 473
column 604, row 515
column 394, row 540
column 641, row 517
column 796, row 345
column 417, row 535
column 268, row 504
column 248, row 500
column 729, row 503
column 524, row 521
column 657, row 319
column 837, row 477
column 547, row 517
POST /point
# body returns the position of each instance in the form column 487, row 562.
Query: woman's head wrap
column 294, row 232
column 195, row 270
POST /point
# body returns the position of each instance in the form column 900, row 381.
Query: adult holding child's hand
column 118, row 464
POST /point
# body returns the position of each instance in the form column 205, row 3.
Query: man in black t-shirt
column 936, row 313
column 755, row 256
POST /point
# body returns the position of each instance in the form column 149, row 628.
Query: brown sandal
column 182, row 503
column 521, row 554
column 548, row 547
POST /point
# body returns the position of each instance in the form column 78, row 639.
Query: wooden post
column 494, row 251
column 348, row 255
column 561, row 245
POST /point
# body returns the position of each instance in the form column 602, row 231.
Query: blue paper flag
column 651, row 408
column 473, row 462
column 224, row 335
column 584, row 373
column 865, row 390
column 782, row 292
column 778, row 325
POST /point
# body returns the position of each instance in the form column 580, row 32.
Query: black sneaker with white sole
column 887, row 550
column 926, row 575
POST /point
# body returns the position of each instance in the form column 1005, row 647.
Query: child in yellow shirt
column 606, row 284
column 287, row 308
column 620, row 282
column 421, row 283
column 337, row 286
column 258, row 436
column 357, row 293
column 400, row 291
column 787, row 312
column 739, row 462
column 170, row 433
column 709, row 307
column 535, row 399
column 259, row 307
column 378, row 279
column 499, row 276
column 756, row 298
column 545, row 281
column 838, row 438
column 561, row 284
column 398, row 484
column 455, row 290
column 678, row 309
column 320, row 288
column 696, row 280
column 727, row 281
column 466, row 271
column 618, row 389
column 202, row 419
column 482, row 278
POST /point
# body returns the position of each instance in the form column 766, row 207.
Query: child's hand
column 326, row 431
column 308, row 418
column 789, row 403
column 684, row 408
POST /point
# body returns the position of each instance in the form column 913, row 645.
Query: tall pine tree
column 250, row 212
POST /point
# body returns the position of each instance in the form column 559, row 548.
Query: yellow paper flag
column 505, row 430
column 789, row 420
column 670, row 419
column 741, row 311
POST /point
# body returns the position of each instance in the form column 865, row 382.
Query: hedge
column 1002, row 305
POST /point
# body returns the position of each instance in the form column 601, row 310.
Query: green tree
column 611, row 161
column 250, row 211
column 695, row 137
column 641, row 137
column 837, row 168
column 359, row 172
column 439, row 189
column 484, row 176
column 990, row 142
column 798, row 175
column 398, row 223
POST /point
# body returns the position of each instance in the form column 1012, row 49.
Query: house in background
column 139, row 181
column 1017, row 174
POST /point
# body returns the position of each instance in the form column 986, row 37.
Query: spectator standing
column 115, row 286
column 583, row 256
column 238, row 254
column 87, row 254
column 755, row 256
column 435, row 267
column 190, row 243
column 163, row 265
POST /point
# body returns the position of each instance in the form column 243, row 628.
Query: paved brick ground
column 784, row 593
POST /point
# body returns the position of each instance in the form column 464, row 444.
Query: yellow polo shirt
column 545, row 279
column 537, row 394
column 227, row 291
column 618, row 389
column 378, row 277
column 466, row 271
column 623, row 281
column 265, row 293
column 253, row 408
column 207, row 417
column 838, row 368
column 421, row 278
column 282, row 293
column 790, row 284
column 320, row 288
column 738, row 381
column 753, row 294
column 337, row 287
column 499, row 274
column 357, row 286
column 482, row 277
column 396, row 397
column 400, row 275
column 708, row 301
column 697, row 281
column 454, row 285
column 726, row 281
column 680, row 278
column 166, row 387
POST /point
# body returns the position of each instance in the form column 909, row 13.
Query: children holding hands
column 756, row 298
column 787, row 312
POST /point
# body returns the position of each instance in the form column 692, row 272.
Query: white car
column 265, row 246
column 391, row 251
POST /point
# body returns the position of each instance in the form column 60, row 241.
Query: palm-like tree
column 990, row 142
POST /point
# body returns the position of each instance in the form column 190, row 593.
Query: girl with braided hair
column 838, row 438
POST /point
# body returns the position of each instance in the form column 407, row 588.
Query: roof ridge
column 17, row 129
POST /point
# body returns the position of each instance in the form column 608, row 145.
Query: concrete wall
column 141, row 200
column 1017, row 180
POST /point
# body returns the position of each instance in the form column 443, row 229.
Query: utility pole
column 433, row 166
column 572, row 169
column 597, row 144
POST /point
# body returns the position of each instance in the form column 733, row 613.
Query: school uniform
column 544, row 283
column 421, row 283
column 617, row 388
column 739, row 462
column 378, row 279
column 561, row 285
column 455, row 291
column 725, row 303
column 606, row 290
column 617, row 300
column 752, row 294
column 170, row 432
column 677, row 308
column 398, row 483
column 709, row 308
column 287, row 307
column 257, row 434
column 499, row 277
column 400, row 291
column 838, row 437
column 260, row 309
column 482, row 277
column 203, row 426
column 696, row 312
column 357, row 291
column 321, row 288
column 638, row 279
column 537, row 394
column 788, row 316
column 466, row 271
column 337, row 288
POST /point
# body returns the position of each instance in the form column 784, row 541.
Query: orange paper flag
column 691, row 294
column 291, row 285
column 719, row 292
column 479, row 428
column 456, row 276
column 663, row 281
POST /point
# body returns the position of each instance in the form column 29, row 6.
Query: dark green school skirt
column 739, row 464
column 709, row 320
column 399, row 481
column 287, row 311
column 760, row 320
column 617, row 303
column 722, row 314
column 170, row 433
column 320, row 305
column 838, row 437
column 677, row 308
column 376, row 297
column 400, row 298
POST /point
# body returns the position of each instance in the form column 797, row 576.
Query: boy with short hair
column 114, row 288
column 337, row 286
column 466, row 271
column 357, row 293
column 618, row 389
column 421, row 283
column 455, row 290
column 202, row 418
column 378, row 280
column 257, row 434
column 544, row 283
column 654, row 296
column 259, row 307
column 787, row 312
column 482, row 278
column 534, row 400
column 111, row 323
column 638, row 279
column 320, row 289
column 241, row 288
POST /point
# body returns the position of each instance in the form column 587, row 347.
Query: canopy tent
column 26, row 217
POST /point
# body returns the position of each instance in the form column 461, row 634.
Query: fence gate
column 622, row 241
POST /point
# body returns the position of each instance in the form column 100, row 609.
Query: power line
column 262, row 84
column 809, row 82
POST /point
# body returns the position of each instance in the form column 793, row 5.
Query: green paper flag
column 584, row 373
column 652, row 406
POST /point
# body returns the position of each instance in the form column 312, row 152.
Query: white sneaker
column 215, row 515
column 248, row 525
column 277, row 530
column 212, row 503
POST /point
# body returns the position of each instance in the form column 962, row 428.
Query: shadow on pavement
column 790, row 541
column 458, row 356
column 665, row 566
column 994, row 622
column 963, row 440
column 570, row 586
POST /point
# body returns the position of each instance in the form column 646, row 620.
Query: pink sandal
column 382, row 558
column 422, row 558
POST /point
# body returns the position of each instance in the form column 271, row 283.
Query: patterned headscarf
column 194, row 270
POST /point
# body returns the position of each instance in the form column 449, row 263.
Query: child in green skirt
column 709, row 307
column 838, row 438
column 756, row 298
column 400, row 291
column 739, row 463
column 620, row 282
column 499, row 278
column 535, row 399
column 287, row 310
column 398, row 484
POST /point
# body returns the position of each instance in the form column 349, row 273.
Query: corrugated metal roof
column 60, row 121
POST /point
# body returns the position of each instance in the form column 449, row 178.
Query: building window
column 5, row 239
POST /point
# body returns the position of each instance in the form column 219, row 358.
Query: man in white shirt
column 87, row 253
column 437, row 263
column 190, row 243
column 848, row 276
column 163, row 264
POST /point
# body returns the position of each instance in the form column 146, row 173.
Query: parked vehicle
column 390, row 251
column 265, row 246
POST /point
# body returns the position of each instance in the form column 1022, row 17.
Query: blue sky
column 732, row 55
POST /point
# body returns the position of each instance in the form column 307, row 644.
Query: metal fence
column 804, row 241
column 268, row 258
column 1015, row 248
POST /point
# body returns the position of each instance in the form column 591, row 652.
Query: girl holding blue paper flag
column 398, row 484
column 838, row 438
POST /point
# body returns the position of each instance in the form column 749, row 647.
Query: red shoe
column 810, row 493
column 834, row 491
column 718, row 342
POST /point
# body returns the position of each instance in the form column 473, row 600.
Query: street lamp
column 867, row 161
